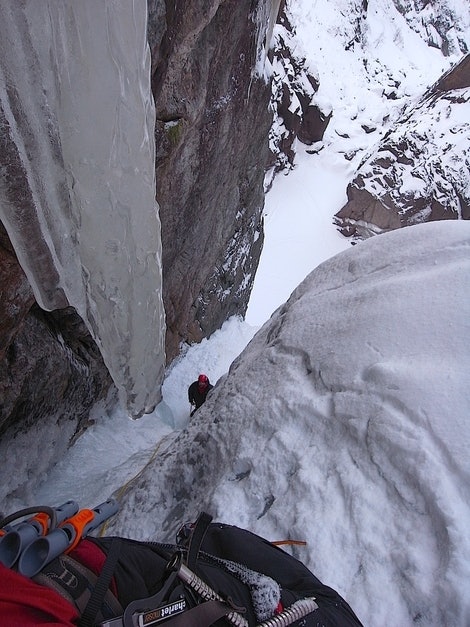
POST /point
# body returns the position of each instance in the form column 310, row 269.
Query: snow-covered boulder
column 345, row 423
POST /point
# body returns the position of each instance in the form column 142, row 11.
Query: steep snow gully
column 344, row 422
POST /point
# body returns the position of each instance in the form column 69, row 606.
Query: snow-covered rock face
column 443, row 25
column 419, row 172
column 293, row 88
column 345, row 423
column 373, row 62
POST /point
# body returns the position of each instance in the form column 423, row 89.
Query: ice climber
column 198, row 391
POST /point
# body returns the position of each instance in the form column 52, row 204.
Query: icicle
column 77, row 189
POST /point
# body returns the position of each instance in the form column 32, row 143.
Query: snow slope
column 345, row 423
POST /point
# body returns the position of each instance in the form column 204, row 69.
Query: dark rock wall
column 212, row 125
column 52, row 371
column 50, row 367
column 456, row 78
column 16, row 296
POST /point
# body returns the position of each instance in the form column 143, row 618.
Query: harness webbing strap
column 75, row 583
column 101, row 587
column 68, row 578
column 197, row 536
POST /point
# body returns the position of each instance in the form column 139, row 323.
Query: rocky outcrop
column 215, row 107
column 293, row 87
column 16, row 296
column 211, row 134
column 50, row 367
column 52, row 371
column 419, row 172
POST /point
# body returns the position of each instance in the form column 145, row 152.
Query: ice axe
column 15, row 538
column 64, row 538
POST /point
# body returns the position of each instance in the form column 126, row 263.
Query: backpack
column 214, row 574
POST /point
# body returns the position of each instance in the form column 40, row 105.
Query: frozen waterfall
column 77, row 175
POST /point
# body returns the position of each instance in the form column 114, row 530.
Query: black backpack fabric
column 295, row 580
column 247, row 572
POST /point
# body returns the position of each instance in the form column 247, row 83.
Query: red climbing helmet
column 203, row 381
